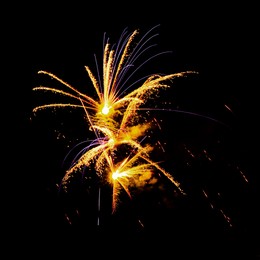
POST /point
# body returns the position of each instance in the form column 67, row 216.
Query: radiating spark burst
column 114, row 114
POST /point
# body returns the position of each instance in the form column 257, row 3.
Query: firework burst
column 115, row 115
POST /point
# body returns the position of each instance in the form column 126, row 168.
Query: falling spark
column 223, row 214
column 99, row 196
column 228, row 108
column 242, row 174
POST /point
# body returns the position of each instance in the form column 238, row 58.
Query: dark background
column 217, row 41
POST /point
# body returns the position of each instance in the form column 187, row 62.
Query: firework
column 115, row 115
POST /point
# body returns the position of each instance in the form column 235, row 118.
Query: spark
column 228, row 108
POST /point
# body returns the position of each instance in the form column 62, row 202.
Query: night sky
column 210, row 142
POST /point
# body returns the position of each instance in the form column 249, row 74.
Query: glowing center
column 115, row 175
column 105, row 110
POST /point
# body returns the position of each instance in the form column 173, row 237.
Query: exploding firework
column 119, row 153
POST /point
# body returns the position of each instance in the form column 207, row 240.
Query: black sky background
column 217, row 41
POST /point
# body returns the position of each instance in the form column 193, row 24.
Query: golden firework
column 113, row 114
